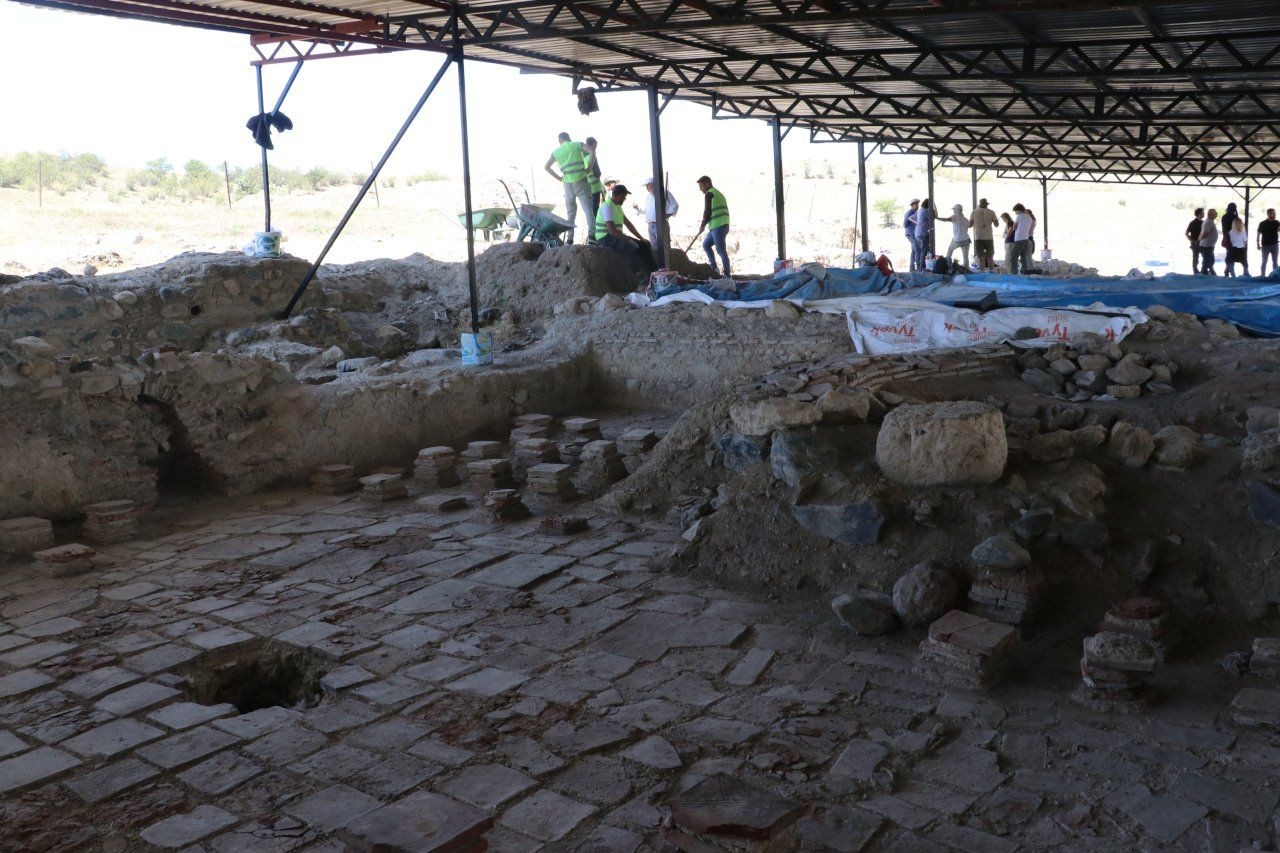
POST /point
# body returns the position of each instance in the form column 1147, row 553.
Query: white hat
column 914, row 201
column 647, row 181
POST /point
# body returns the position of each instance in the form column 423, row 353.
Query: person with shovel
column 715, row 221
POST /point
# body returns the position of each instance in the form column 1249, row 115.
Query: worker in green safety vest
column 569, row 156
column 715, row 219
column 591, row 159
column 608, row 232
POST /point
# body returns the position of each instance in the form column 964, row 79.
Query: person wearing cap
column 715, row 218
column 591, row 160
column 651, row 211
column 959, row 233
column 984, row 221
column 909, row 226
column 608, row 232
column 569, row 156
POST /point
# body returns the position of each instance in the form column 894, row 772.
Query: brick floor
column 555, row 690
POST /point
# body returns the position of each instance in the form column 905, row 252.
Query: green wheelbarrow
column 489, row 221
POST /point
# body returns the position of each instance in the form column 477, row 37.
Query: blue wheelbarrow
column 536, row 222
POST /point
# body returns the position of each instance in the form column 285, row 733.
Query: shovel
column 694, row 240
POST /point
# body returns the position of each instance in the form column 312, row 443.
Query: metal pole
column 659, row 177
column 1248, row 196
column 862, row 195
column 266, row 173
column 287, row 86
column 226, row 177
column 779, row 200
column 933, row 202
column 973, row 179
column 466, row 187
column 1044, row 205
column 368, row 182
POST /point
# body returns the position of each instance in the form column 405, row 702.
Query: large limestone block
column 765, row 416
column 943, row 444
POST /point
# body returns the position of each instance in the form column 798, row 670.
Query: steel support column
column 1248, row 197
column 933, row 203
column 266, row 172
column 862, row 195
column 364, row 189
column 466, row 187
column 1044, row 209
column 973, row 180
column 779, row 200
column 659, row 176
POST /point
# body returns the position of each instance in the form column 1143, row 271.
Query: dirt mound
column 529, row 280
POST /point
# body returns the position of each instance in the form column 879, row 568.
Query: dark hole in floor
column 256, row 676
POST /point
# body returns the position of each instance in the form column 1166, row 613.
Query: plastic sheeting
column 1251, row 303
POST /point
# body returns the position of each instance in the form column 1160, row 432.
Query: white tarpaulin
column 889, row 324
column 889, row 328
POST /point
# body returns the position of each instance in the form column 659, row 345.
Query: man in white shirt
column 1020, row 261
column 651, row 212
column 984, row 221
column 1208, row 243
column 959, row 234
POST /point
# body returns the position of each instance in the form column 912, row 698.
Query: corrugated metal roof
column 1137, row 90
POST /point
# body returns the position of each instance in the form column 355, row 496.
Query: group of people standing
column 1206, row 232
column 1018, row 232
column 602, row 199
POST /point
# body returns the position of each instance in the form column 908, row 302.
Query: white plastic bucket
column 664, row 278
column 1046, row 254
column 477, row 348
column 783, row 265
column 266, row 244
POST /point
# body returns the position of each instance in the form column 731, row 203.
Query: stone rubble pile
column 503, row 505
column 109, row 522
column 487, row 475
column 64, row 560
column 563, row 524
column 334, row 480
column 382, row 487
column 1147, row 619
column 1114, row 670
column 965, row 650
column 1092, row 367
column 436, row 468
column 25, row 535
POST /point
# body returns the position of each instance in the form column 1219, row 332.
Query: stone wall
column 236, row 424
column 184, row 302
column 673, row 356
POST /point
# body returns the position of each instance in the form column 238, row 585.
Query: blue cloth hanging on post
column 261, row 124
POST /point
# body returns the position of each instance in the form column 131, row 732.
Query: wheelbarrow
column 489, row 221
column 536, row 221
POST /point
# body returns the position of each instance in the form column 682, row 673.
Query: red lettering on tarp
column 907, row 330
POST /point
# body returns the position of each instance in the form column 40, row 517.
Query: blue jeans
column 1269, row 251
column 917, row 252
column 1207, row 260
column 1020, row 260
column 715, row 238
column 575, row 194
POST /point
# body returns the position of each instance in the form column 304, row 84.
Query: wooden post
column 226, row 176
column 376, row 197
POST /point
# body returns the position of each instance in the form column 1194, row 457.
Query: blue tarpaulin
column 1252, row 303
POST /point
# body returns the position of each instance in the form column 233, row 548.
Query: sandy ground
column 1111, row 227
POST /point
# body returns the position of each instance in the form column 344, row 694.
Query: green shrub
column 888, row 210
column 62, row 171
